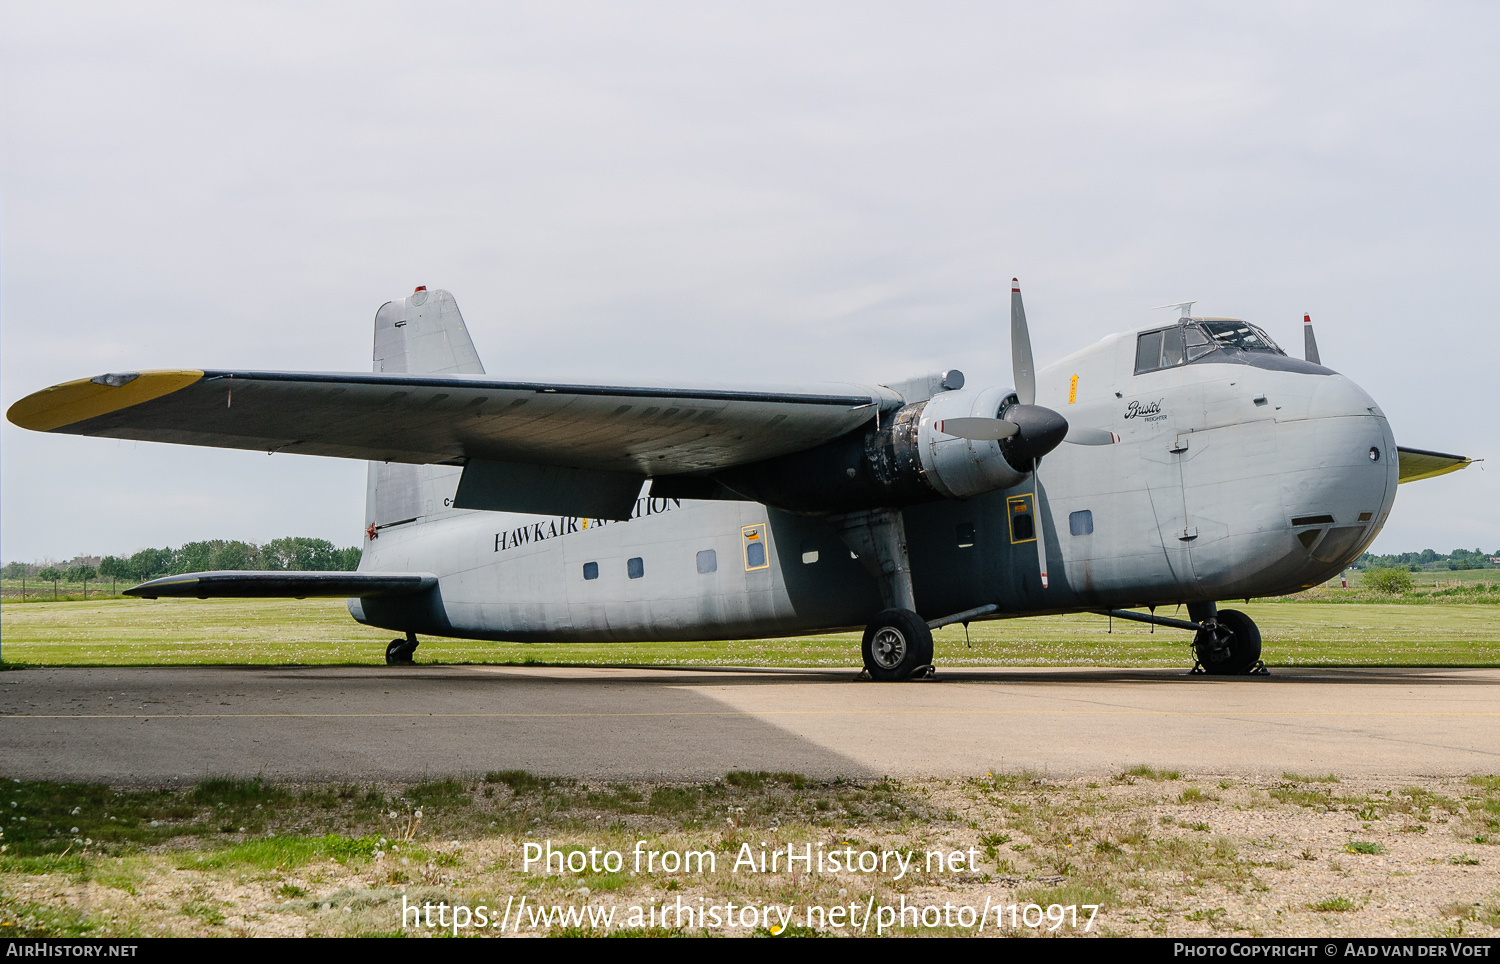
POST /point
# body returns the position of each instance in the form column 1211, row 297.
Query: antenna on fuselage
column 1185, row 306
column 1309, row 341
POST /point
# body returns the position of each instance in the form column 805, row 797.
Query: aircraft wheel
column 1235, row 649
column 400, row 650
column 895, row 644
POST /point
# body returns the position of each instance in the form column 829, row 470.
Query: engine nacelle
column 905, row 461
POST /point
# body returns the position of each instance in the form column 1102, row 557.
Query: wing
column 1418, row 464
column 640, row 430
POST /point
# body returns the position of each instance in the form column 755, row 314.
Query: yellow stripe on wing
column 71, row 402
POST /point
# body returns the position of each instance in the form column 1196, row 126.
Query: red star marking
column 372, row 532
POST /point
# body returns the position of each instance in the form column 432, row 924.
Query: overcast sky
column 759, row 191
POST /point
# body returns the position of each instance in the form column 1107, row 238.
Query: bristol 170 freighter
column 1188, row 463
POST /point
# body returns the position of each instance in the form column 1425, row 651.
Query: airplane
column 1182, row 464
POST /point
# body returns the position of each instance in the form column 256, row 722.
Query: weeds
column 1150, row 773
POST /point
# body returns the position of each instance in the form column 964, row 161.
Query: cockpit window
column 1169, row 347
column 1239, row 334
column 1148, row 352
column 1187, row 342
column 1198, row 344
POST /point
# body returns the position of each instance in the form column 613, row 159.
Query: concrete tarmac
column 175, row 725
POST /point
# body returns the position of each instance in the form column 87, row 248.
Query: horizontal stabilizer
column 296, row 585
column 1418, row 464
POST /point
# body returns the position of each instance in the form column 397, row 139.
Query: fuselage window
column 708, row 561
column 754, row 538
column 591, row 570
column 809, row 553
column 965, row 535
column 1022, row 525
column 1081, row 523
column 635, row 568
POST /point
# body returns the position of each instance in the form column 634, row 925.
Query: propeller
column 1027, row 431
column 1078, row 435
column 1036, row 515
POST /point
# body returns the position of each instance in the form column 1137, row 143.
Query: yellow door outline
column 755, row 535
column 1018, row 505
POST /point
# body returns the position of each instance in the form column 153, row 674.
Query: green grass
column 285, row 853
column 1141, row 770
column 279, row 632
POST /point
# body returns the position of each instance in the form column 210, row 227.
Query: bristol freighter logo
column 1150, row 411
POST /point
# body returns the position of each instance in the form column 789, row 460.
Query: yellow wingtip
column 72, row 402
column 1434, row 473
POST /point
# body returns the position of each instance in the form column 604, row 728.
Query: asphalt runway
column 181, row 724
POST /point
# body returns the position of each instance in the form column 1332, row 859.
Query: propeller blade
column 1036, row 515
column 1020, row 348
column 1309, row 341
column 978, row 429
column 1079, row 435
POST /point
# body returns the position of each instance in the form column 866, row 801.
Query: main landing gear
column 1228, row 644
column 400, row 651
column 896, row 645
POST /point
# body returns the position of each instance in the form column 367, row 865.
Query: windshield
column 1239, row 334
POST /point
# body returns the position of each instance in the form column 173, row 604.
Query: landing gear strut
column 1228, row 644
column 400, row 651
column 898, row 643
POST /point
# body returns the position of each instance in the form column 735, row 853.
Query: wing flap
column 547, row 490
column 423, row 419
column 1418, row 464
column 298, row 585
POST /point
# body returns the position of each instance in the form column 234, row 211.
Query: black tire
column 895, row 644
column 399, row 652
column 1244, row 645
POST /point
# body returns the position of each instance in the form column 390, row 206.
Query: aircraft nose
column 1338, row 396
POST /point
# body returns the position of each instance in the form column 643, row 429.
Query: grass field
column 1446, row 631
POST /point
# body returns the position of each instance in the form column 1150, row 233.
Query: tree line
column 1428, row 559
column 294, row 553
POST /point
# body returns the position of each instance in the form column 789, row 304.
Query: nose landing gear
column 400, row 651
column 1228, row 645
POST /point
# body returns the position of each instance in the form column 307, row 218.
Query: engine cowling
column 960, row 468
